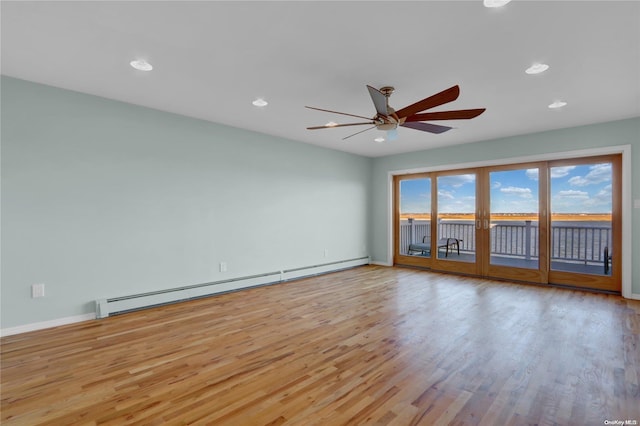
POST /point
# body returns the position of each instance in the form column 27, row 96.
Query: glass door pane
column 415, row 217
column 581, row 218
column 514, row 223
column 456, row 238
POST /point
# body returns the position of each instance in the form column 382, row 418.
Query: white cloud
column 575, row 201
column 446, row 194
column 554, row 172
column 558, row 172
column 457, row 206
column 514, row 190
column 533, row 174
column 516, row 205
column 496, row 185
column 598, row 173
column 602, row 198
column 573, row 194
column 456, row 181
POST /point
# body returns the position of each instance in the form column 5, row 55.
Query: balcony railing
column 569, row 243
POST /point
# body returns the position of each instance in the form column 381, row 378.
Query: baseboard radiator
column 124, row 304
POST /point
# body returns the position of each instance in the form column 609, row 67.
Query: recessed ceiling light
column 379, row 139
column 331, row 124
column 141, row 64
column 260, row 102
column 557, row 104
column 495, row 3
column 537, row 68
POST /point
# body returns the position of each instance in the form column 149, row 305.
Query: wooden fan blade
column 336, row 112
column 446, row 96
column 379, row 100
column 362, row 131
column 427, row 127
column 338, row 125
column 462, row 114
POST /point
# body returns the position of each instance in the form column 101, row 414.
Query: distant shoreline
column 574, row 217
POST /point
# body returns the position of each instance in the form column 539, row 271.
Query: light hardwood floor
column 370, row 345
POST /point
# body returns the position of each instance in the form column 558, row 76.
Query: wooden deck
column 371, row 345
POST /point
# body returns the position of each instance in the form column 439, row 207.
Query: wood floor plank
column 370, row 345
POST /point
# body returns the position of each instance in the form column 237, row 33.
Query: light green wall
column 624, row 132
column 102, row 199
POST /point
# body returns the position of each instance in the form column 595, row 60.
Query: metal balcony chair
column 446, row 243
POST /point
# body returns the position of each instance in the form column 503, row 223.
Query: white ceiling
column 212, row 59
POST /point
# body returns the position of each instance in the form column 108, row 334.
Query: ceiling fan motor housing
column 390, row 121
column 387, row 126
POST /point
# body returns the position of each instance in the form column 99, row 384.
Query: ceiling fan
column 411, row 116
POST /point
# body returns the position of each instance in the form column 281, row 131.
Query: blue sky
column 415, row 196
column 585, row 187
column 574, row 189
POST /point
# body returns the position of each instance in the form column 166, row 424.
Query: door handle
column 486, row 224
column 478, row 224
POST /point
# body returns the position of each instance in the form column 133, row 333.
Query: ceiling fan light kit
column 495, row 3
column 412, row 116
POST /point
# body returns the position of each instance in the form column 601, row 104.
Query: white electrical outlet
column 37, row 290
column 223, row 266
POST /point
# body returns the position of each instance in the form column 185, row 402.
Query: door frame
column 419, row 261
column 626, row 198
column 599, row 282
column 451, row 264
column 539, row 275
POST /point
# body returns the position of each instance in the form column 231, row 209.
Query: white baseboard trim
column 91, row 316
column 381, row 263
column 202, row 290
column 128, row 303
column 46, row 324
